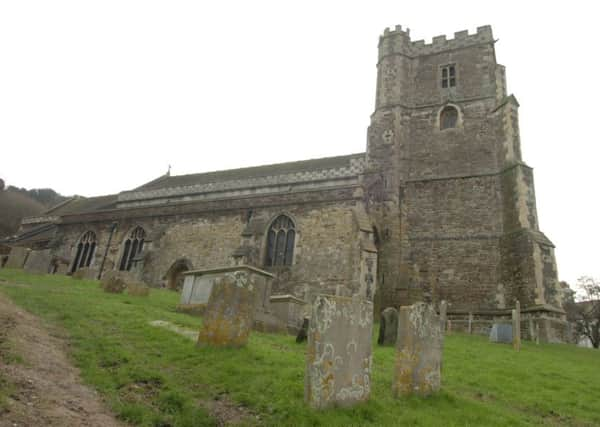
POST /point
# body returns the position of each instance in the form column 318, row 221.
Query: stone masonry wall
column 326, row 253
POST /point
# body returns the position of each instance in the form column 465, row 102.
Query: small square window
column 448, row 76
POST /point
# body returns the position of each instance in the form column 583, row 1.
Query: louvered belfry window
column 280, row 242
column 132, row 247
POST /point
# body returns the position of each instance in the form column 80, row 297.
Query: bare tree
column 586, row 312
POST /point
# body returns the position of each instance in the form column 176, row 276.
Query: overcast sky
column 99, row 97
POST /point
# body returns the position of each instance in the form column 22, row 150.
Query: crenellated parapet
column 398, row 42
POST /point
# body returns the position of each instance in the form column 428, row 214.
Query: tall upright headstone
column 338, row 357
column 516, row 326
column 443, row 314
column 470, row 323
column 418, row 351
column 531, row 329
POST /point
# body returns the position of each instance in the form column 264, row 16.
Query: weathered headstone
column 138, row 289
column 418, row 351
column 470, row 323
column 388, row 327
column 443, row 314
column 112, row 283
column 531, row 329
column 338, row 358
column 501, row 332
column 229, row 313
column 516, row 324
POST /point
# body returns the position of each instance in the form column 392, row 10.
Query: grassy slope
column 151, row 376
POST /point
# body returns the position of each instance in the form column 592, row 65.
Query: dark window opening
column 131, row 248
column 85, row 251
column 280, row 242
column 448, row 76
column 448, row 118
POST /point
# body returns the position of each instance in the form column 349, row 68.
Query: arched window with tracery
column 448, row 118
column 132, row 246
column 85, row 251
column 280, row 242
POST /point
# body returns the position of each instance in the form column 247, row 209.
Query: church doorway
column 175, row 274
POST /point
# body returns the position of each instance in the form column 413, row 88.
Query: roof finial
column 169, row 171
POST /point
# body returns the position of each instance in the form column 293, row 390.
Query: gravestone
column 418, row 351
column 17, row 257
column 470, row 327
column 516, row 326
column 388, row 327
column 502, row 333
column 338, row 358
column 531, row 329
column 230, row 309
column 443, row 314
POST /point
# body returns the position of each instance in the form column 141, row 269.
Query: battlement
column 397, row 41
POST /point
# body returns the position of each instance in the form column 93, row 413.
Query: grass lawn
column 151, row 376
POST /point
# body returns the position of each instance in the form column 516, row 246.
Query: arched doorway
column 175, row 275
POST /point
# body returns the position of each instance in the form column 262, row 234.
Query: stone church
column 441, row 205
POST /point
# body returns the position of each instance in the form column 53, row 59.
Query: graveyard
column 140, row 354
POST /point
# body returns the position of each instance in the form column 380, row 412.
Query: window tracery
column 85, row 251
column 132, row 247
column 280, row 242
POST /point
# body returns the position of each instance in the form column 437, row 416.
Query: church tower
column 445, row 185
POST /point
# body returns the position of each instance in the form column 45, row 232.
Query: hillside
column 152, row 376
column 16, row 203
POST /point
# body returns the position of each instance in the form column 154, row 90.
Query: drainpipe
column 113, row 227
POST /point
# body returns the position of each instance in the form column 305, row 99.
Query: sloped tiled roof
column 83, row 204
column 251, row 172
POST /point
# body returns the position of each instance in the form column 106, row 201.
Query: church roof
column 82, row 204
column 304, row 166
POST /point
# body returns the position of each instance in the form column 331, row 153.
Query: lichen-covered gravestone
column 229, row 313
column 338, row 358
column 388, row 327
column 418, row 351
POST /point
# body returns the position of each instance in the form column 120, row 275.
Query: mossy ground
column 151, row 376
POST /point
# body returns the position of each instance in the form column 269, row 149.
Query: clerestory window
column 280, row 242
column 131, row 247
column 448, row 76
